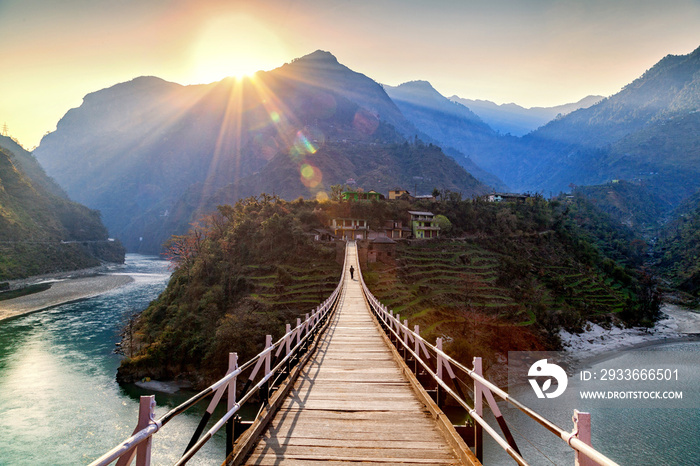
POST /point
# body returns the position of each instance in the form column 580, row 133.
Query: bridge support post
column 147, row 412
column 305, row 346
column 479, row 408
column 288, row 346
column 439, row 390
column 582, row 427
column 416, row 349
column 265, row 389
column 405, row 341
column 230, row 401
column 397, row 342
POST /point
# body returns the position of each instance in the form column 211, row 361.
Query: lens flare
column 302, row 146
column 310, row 176
column 322, row 196
column 307, row 171
column 310, row 148
column 275, row 117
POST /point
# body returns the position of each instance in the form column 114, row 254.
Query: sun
column 234, row 45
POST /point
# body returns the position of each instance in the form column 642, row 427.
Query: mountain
column 150, row 154
column 679, row 245
column 518, row 121
column 42, row 231
column 647, row 134
column 459, row 131
column 30, row 167
column 322, row 71
column 631, row 204
column 670, row 89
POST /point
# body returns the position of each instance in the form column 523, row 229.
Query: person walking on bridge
column 352, row 272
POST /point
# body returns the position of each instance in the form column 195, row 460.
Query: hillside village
column 379, row 243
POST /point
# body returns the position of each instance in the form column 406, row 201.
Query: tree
column 336, row 192
column 182, row 250
column 444, row 223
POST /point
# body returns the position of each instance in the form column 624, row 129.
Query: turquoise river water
column 59, row 401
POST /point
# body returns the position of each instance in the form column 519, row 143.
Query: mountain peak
column 418, row 85
column 414, row 91
column 695, row 53
column 319, row 56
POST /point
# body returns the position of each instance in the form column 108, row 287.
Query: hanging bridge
column 350, row 384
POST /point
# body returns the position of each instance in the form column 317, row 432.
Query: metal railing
column 434, row 368
column 265, row 372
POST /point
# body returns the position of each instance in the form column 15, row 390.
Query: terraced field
column 448, row 286
column 437, row 284
column 291, row 287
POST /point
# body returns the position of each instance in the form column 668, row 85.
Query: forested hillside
column 631, row 204
column 679, row 247
column 521, row 271
column 241, row 274
column 42, row 231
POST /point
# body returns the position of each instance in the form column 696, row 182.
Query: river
column 630, row 432
column 59, row 401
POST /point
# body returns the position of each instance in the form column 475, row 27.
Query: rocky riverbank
column 64, row 288
column 677, row 323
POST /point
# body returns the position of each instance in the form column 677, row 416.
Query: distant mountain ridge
column 151, row 154
column 646, row 134
column 518, row 121
column 671, row 88
column 168, row 151
column 458, row 130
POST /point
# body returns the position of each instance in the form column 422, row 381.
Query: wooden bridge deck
column 351, row 403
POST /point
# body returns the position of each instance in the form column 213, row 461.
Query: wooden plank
column 321, row 415
column 295, row 441
column 308, row 460
column 358, row 454
column 376, row 434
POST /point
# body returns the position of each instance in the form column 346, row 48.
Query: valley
column 163, row 162
column 266, row 184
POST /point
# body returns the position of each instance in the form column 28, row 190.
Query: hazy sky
column 531, row 52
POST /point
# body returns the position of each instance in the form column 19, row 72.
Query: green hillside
column 519, row 271
column 242, row 273
column 630, row 204
column 41, row 231
column 679, row 246
column 519, row 275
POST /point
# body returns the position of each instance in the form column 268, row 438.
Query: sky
column 530, row 52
